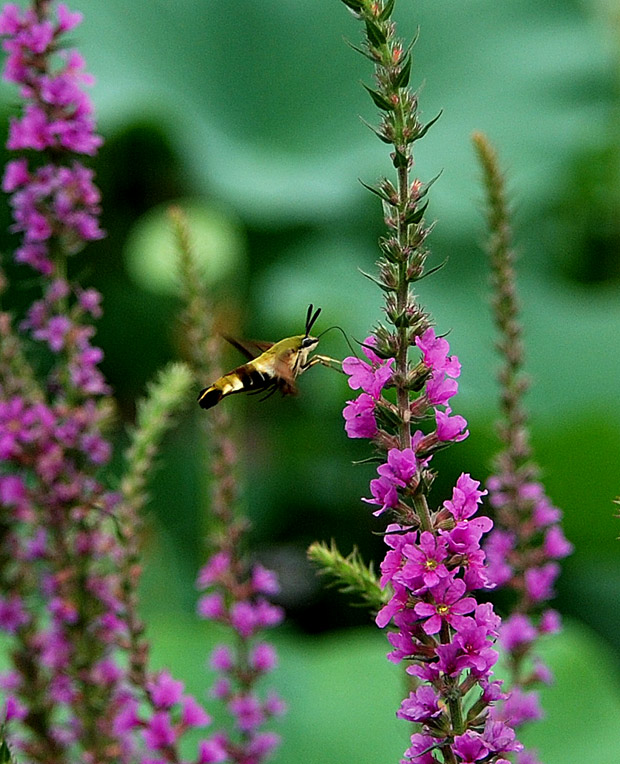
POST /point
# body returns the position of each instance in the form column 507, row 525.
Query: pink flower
column 248, row 712
column 221, row 658
column 359, row 417
column 263, row 657
column 159, row 732
column 166, row 691
column 470, row 746
column 211, row 606
column 450, row 428
column 264, row 581
column 425, row 560
column 465, row 497
column 193, row 714
column 516, row 631
column 384, row 494
column 556, row 545
column 421, row 749
column 400, row 468
column 439, row 390
column 421, row 705
column 211, row 752
column 215, row 569
column 12, row 614
column 370, row 377
column 550, row 622
column 539, row 581
column 435, row 354
column 447, row 606
column 520, row 707
column 500, row 738
column 476, row 652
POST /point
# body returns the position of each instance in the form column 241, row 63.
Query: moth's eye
column 308, row 342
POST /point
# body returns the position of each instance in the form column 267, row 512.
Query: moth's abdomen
column 244, row 378
column 209, row 397
column 252, row 378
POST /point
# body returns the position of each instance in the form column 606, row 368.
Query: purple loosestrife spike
column 434, row 566
column 234, row 593
column 55, row 203
column 79, row 691
column 524, row 548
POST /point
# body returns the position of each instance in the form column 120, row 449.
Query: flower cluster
column 446, row 634
column 53, row 204
column 60, row 565
column 235, row 593
column 403, row 467
column 371, row 378
column 433, row 571
column 241, row 604
column 524, row 548
column 80, row 687
column 523, row 552
column 435, row 565
column 171, row 714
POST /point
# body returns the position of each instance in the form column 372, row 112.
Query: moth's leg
column 324, row 360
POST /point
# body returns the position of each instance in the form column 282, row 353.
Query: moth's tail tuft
column 209, row 397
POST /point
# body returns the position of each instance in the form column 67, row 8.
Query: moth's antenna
column 308, row 314
column 344, row 334
column 310, row 318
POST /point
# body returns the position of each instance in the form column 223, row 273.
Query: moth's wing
column 251, row 349
column 284, row 378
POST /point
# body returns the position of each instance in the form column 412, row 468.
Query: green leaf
column 402, row 78
column 427, row 126
column 377, row 132
column 377, row 192
column 376, row 35
column 387, row 10
column 380, row 100
column 376, row 281
column 350, row 574
column 359, row 50
column 354, row 5
column 414, row 216
column 424, row 188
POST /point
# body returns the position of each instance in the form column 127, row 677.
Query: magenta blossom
column 425, row 560
column 465, row 498
column 470, row 746
column 447, row 606
column 450, row 428
column 370, row 377
column 400, row 468
column 359, row 417
column 421, row 705
column 384, row 494
column 435, row 354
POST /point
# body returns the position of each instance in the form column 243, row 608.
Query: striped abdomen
column 244, row 378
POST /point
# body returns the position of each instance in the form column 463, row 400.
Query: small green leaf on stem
column 423, row 130
column 381, row 102
column 351, row 575
column 402, row 78
column 376, row 35
column 387, row 10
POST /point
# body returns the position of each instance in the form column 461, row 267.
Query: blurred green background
column 248, row 112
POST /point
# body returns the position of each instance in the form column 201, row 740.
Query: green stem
column 423, row 512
